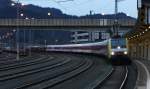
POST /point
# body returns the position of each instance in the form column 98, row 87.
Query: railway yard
column 63, row 71
column 74, row 44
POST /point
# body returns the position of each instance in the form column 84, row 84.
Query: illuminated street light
column 21, row 14
column 26, row 18
column 22, row 4
column 127, row 14
column 12, row 4
column 103, row 13
column 49, row 14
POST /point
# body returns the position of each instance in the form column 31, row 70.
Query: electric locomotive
column 118, row 51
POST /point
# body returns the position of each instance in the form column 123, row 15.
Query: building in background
column 94, row 36
column 139, row 37
column 97, row 34
column 85, row 36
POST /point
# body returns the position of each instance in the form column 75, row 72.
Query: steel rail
column 125, row 78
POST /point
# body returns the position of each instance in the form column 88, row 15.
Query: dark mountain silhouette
column 32, row 11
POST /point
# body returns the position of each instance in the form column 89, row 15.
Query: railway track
column 48, row 82
column 87, row 78
column 26, row 70
column 115, row 80
column 61, row 71
column 6, row 57
column 12, row 60
column 47, row 72
column 24, row 64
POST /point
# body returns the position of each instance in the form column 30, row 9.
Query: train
column 118, row 47
column 95, row 48
column 119, row 51
column 115, row 49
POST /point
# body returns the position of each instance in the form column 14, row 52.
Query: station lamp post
column 17, row 29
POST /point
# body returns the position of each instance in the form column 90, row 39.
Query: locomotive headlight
column 112, row 53
column 118, row 47
column 125, row 52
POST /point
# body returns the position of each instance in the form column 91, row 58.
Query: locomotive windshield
column 120, row 42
